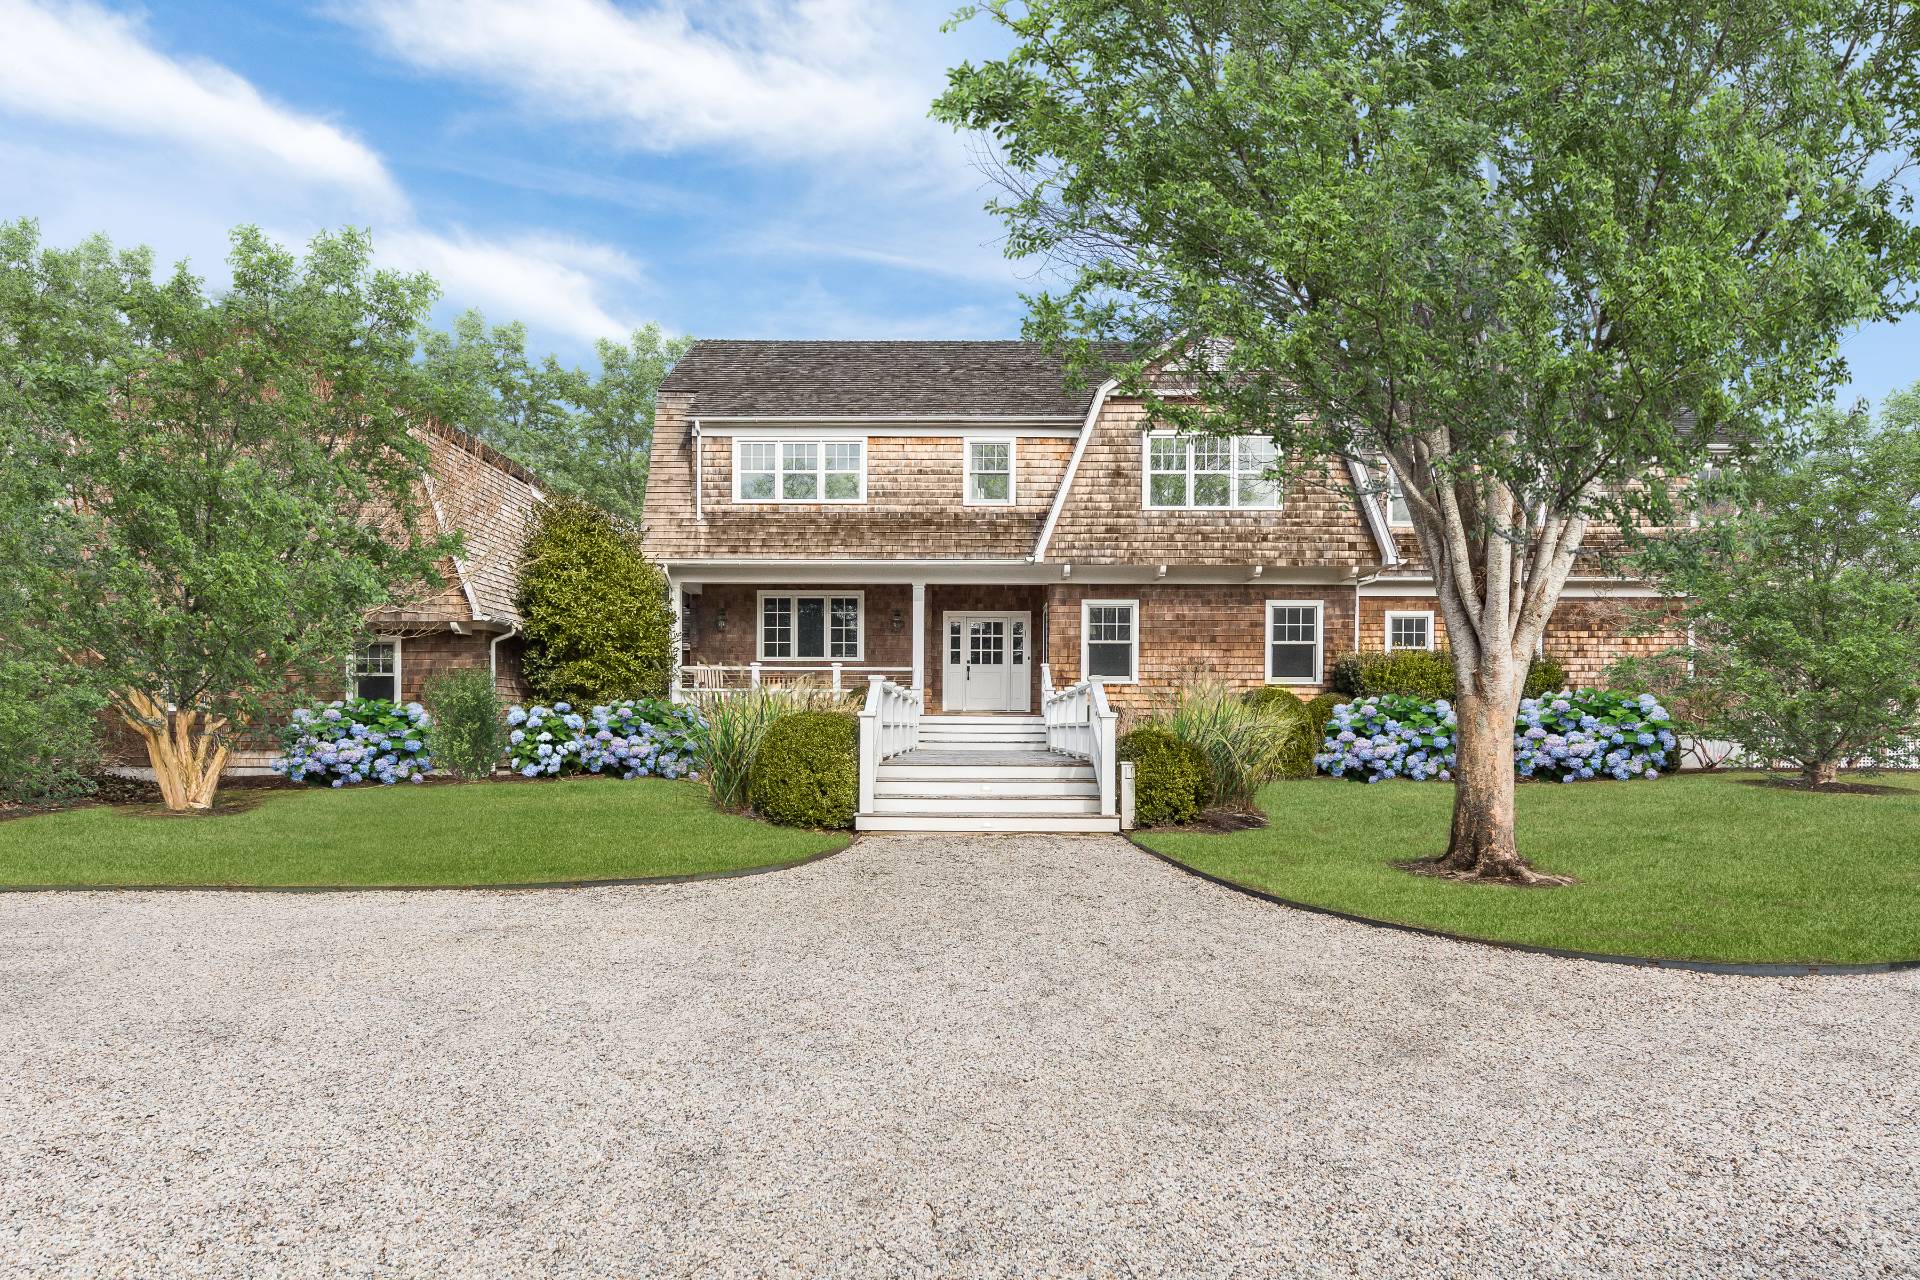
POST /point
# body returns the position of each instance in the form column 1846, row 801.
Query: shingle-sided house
column 956, row 519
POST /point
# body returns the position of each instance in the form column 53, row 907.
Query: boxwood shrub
column 1170, row 782
column 1423, row 673
column 807, row 771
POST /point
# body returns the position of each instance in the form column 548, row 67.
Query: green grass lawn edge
column 1690, row 869
column 500, row 835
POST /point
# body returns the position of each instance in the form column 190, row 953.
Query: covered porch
column 967, row 648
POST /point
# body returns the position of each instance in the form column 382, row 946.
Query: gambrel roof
column 742, row 379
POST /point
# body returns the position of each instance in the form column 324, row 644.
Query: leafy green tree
column 1533, row 255
column 1803, row 598
column 233, row 471
column 585, row 434
column 598, row 624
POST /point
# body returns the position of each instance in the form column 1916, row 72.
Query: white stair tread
column 988, row 823
column 884, row 785
column 1000, row 806
column 972, row 757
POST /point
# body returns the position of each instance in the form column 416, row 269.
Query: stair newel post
column 1104, row 731
column 871, row 724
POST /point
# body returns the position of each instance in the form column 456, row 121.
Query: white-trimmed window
column 1210, row 473
column 374, row 669
column 1110, row 640
column 1394, row 500
column 1409, row 629
column 1293, row 641
column 826, row 626
column 786, row 470
column 989, row 471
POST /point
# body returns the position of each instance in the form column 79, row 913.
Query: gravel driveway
column 925, row 1056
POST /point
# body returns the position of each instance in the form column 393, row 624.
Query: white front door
column 986, row 662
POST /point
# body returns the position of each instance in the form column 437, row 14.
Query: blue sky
column 723, row 169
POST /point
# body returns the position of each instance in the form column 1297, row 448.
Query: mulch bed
column 1829, row 789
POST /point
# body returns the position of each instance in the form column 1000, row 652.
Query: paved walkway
column 926, row 1056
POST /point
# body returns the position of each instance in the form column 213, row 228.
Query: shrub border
column 691, row 878
column 1732, row 968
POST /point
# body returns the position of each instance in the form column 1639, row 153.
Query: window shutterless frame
column 1416, row 625
column 799, row 469
column 988, row 457
column 1295, row 641
column 1107, row 625
column 375, row 658
column 784, row 626
column 1393, row 502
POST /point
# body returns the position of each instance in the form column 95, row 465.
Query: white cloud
column 555, row 284
column 776, row 79
column 82, row 65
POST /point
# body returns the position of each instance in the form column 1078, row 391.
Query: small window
column 1409, row 630
column 1110, row 640
column 1211, row 473
column 375, row 670
column 989, row 472
column 819, row 626
column 1395, row 498
column 799, row 470
column 1293, row 642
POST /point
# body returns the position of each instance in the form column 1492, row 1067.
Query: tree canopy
column 1535, row 256
column 230, row 476
column 585, row 434
column 1802, row 592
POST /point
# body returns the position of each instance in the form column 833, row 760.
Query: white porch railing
column 716, row 677
column 1080, row 723
column 889, row 725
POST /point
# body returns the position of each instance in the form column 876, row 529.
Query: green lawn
column 487, row 833
column 1698, row 867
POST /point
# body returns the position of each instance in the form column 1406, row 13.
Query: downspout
column 493, row 652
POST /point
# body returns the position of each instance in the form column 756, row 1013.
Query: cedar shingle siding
column 914, row 403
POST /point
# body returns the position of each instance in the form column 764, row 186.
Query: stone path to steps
column 923, row 1057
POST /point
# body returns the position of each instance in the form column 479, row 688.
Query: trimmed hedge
column 1320, row 714
column 1170, row 782
column 1297, row 760
column 807, row 771
column 1425, row 673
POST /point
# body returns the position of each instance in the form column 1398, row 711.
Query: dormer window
column 799, row 470
column 1211, row 473
column 1395, row 498
column 990, row 472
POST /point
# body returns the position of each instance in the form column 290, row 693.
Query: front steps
column 985, row 774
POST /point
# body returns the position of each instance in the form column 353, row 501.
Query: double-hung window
column 1293, row 641
column 1409, row 629
column 1110, row 640
column 989, row 472
column 1211, row 473
column 374, row 671
column 799, row 470
column 823, row 626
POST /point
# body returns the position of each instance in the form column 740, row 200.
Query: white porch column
column 919, row 637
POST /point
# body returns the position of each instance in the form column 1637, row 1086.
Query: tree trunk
column 1820, row 773
column 1481, row 846
column 188, row 750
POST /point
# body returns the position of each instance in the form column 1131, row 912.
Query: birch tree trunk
column 188, row 749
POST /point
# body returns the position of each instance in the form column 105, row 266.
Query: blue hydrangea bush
column 645, row 738
column 354, row 741
column 1570, row 736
